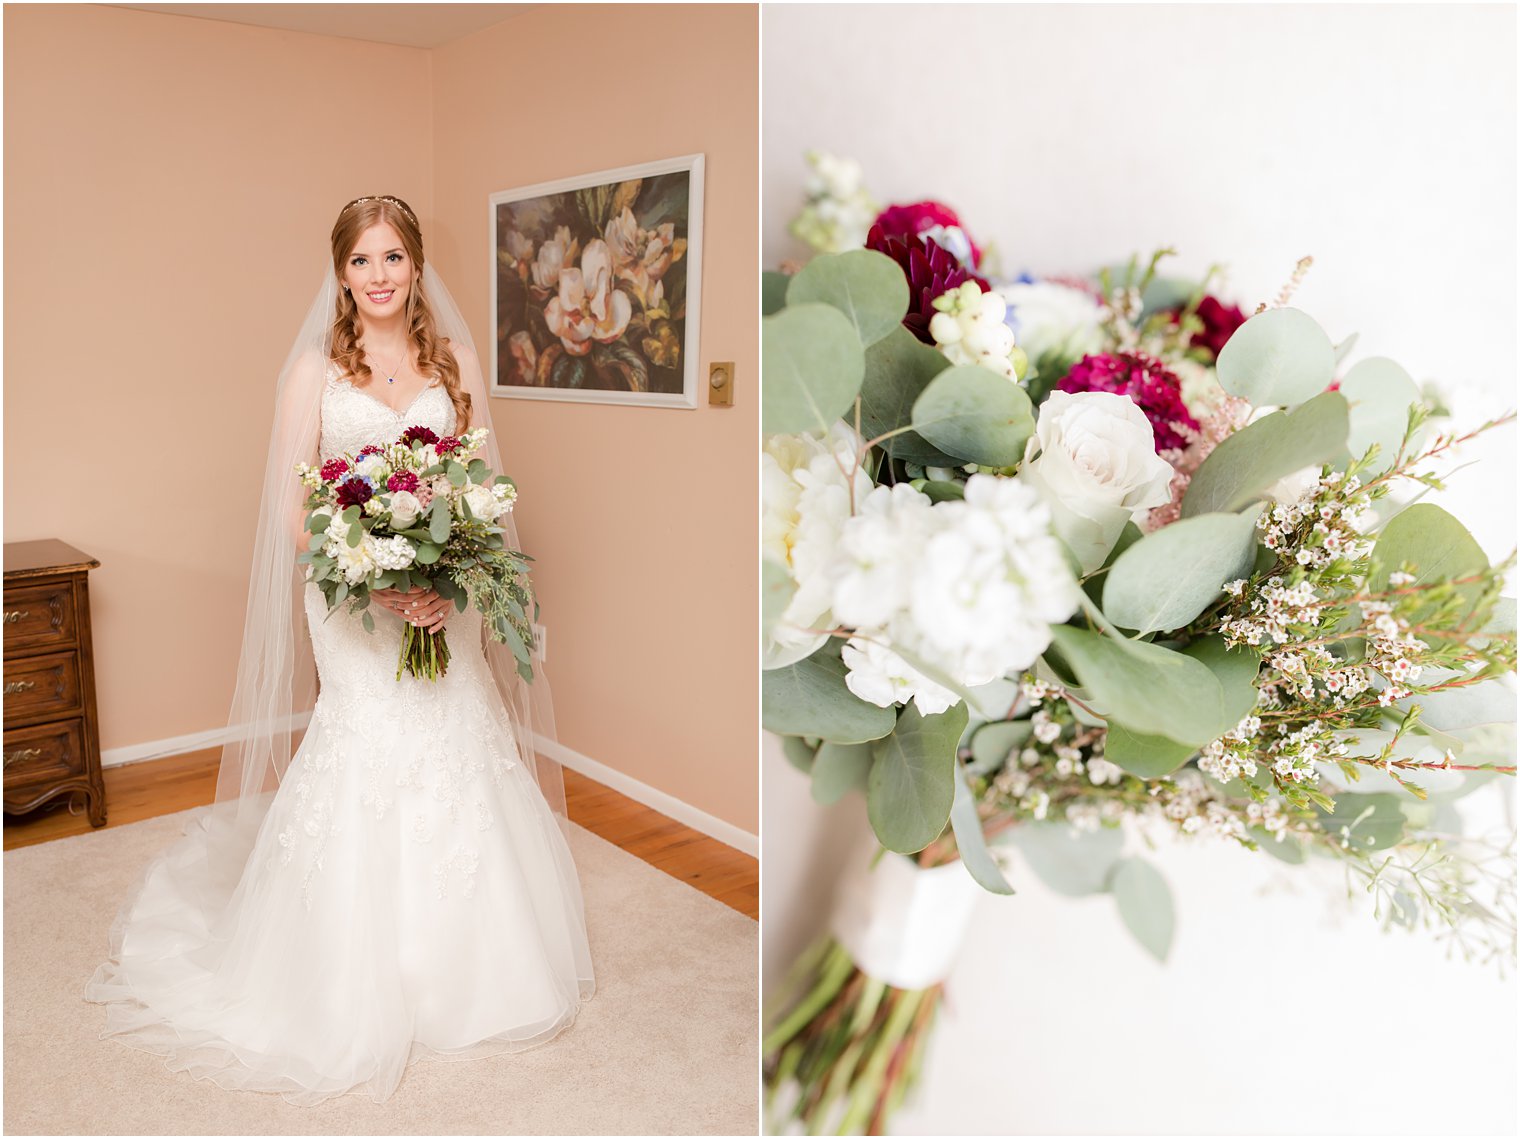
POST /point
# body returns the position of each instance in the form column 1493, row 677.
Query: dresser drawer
column 39, row 616
column 43, row 754
column 42, row 685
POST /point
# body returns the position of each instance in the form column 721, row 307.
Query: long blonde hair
column 433, row 354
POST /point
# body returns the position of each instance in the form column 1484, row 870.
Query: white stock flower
column 393, row 553
column 968, row 587
column 405, row 509
column 1053, row 318
column 1093, row 459
column 991, row 582
column 880, row 676
column 873, row 578
column 482, row 503
column 805, row 497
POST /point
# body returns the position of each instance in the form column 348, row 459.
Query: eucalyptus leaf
column 318, row 523
column 1433, row 545
column 1144, row 687
column 456, row 474
column 368, row 621
column 355, row 535
column 975, row 414
column 1471, row 706
column 439, row 521
column 809, row 698
column 1171, row 576
column 812, row 368
column 1380, row 394
column 1277, row 358
column 993, row 743
column 1145, row 904
column 1236, row 670
column 1367, row 822
column 776, row 591
column 799, row 753
column 773, row 291
column 838, row 769
column 971, row 841
column 898, row 369
column 912, row 782
column 1149, row 757
column 1245, row 464
column 1069, row 861
column 1289, row 850
column 1343, row 349
column 937, row 491
column 867, row 286
column 427, row 553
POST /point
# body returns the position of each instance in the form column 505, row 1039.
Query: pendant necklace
column 391, row 379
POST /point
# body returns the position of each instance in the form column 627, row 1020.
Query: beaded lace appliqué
column 375, row 738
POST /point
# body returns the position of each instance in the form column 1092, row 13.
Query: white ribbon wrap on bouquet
column 901, row 924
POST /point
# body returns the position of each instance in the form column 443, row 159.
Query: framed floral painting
column 596, row 285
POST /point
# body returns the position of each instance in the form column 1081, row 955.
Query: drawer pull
column 23, row 753
column 14, row 686
column 14, row 615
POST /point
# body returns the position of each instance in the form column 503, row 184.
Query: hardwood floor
column 146, row 790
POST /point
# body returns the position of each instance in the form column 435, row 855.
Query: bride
column 400, row 886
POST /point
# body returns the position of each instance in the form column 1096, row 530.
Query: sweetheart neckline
column 381, row 403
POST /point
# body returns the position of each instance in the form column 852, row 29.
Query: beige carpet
column 667, row 1046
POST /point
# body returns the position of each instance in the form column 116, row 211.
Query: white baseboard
column 183, row 745
column 667, row 805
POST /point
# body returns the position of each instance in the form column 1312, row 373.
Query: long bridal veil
column 276, row 676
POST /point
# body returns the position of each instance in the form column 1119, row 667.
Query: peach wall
column 169, row 186
column 642, row 519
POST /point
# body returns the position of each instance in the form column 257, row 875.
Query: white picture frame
column 632, row 337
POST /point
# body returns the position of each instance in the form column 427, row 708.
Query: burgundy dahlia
column 1219, row 324
column 912, row 220
column 418, row 434
column 448, row 445
column 931, row 271
column 334, row 469
column 1155, row 389
column 401, row 480
column 354, row 492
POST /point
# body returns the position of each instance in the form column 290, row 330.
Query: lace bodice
column 352, row 418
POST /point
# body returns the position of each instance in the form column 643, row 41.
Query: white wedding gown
column 409, row 893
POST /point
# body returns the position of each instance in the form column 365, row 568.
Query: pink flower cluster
column 1155, row 389
column 334, row 469
column 402, row 480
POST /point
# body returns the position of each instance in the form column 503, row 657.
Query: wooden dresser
column 52, row 737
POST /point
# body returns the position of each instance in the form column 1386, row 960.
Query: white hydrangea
column 970, row 587
column 1048, row 317
column 805, row 491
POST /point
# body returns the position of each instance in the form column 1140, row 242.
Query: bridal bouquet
column 419, row 513
column 1049, row 563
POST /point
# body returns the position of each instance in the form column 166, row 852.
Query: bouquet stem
column 424, row 653
column 849, row 1047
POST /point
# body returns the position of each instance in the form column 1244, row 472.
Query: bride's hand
column 420, row 607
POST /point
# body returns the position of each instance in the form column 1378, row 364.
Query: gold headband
column 400, row 205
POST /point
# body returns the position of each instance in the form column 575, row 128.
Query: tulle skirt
column 408, row 894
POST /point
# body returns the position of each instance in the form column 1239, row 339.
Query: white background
column 1379, row 139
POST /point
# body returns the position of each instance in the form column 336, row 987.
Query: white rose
column 805, row 502
column 427, row 455
column 1053, row 318
column 405, row 509
column 357, row 562
column 482, row 503
column 1093, row 459
column 374, row 468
